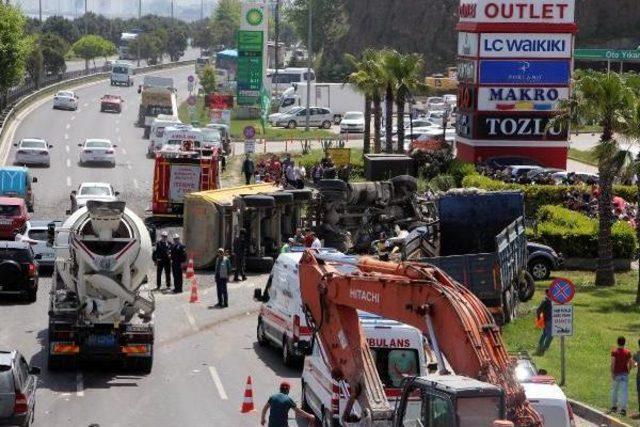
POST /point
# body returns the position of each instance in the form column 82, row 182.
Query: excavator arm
column 458, row 325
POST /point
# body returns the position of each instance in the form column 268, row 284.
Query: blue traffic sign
column 562, row 291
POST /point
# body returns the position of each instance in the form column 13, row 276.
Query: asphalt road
column 202, row 355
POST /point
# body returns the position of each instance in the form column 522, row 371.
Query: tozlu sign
column 499, row 127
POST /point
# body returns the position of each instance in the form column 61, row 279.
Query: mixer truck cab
column 281, row 321
column 15, row 181
column 398, row 351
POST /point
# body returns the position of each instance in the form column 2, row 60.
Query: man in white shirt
column 316, row 244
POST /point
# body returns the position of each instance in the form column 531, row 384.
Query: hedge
column 576, row 235
column 537, row 196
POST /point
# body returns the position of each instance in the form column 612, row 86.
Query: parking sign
column 562, row 320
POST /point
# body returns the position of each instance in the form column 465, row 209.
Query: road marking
column 135, row 183
column 68, row 163
column 68, row 181
column 66, row 136
column 79, row 384
column 66, row 148
column 190, row 319
column 68, row 125
column 73, row 118
column 216, row 380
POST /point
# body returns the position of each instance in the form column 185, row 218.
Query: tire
column 260, row 335
column 292, row 124
column 101, row 109
column 327, row 419
column 282, row 198
column 526, row 288
column 144, row 365
column 146, row 133
column 301, row 195
column 304, row 403
column 332, row 185
column 259, row 264
column 287, row 357
column 57, row 363
column 11, row 273
column 259, row 201
column 326, row 124
column 539, row 268
column 32, row 295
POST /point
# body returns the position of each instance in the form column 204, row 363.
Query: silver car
column 318, row 117
column 18, row 383
column 32, row 151
column 65, row 100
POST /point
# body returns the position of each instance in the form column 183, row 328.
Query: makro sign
column 506, row 45
column 468, row 44
column 466, row 71
column 525, row 72
column 512, row 127
column 517, row 11
column 520, row 98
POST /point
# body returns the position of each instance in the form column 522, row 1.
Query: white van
column 156, row 134
column 122, row 74
column 398, row 350
column 281, row 321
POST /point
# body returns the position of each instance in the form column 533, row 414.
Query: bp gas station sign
column 252, row 38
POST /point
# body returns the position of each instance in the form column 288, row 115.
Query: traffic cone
column 194, row 282
column 190, row 271
column 247, row 403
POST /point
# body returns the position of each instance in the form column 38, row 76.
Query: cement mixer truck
column 100, row 308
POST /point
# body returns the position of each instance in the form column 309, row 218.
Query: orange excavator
column 483, row 390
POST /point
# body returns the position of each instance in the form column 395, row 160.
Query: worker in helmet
column 162, row 259
column 279, row 405
column 178, row 260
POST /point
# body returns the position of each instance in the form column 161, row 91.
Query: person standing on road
column 621, row 364
column 162, row 259
column 248, row 168
column 636, row 360
column 545, row 309
column 178, row 260
column 279, row 406
column 239, row 254
column 222, row 272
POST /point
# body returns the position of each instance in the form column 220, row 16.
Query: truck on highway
column 337, row 97
column 122, row 74
column 158, row 96
column 99, row 306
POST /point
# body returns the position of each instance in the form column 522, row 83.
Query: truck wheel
column 57, row 363
column 540, row 268
column 144, row 365
column 261, row 336
column 326, row 124
column 527, row 287
column 259, row 264
column 146, row 134
column 287, row 357
column 292, row 124
column 32, row 295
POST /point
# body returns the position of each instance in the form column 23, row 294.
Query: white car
column 65, row 100
column 97, row 151
column 32, row 151
column 37, row 234
column 100, row 191
column 352, row 122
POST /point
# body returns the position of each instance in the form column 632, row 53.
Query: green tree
column 208, row 79
column 176, row 43
column 389, row 58
column 14, row 48
column 226, row 22
column 34, row 65
column 91, row 47
column 329, row 21
column 202, row 34
column 150, row 47
column 54, row 49
column 605, row 99
column 62, row 27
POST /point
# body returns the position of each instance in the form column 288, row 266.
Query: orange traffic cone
column 194, row 282
column 247, row 403
column 190, row 272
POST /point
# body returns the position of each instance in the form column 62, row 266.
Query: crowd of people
column 586, row 201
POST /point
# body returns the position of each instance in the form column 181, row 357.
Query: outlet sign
column 525, row 72
column 507, row 45
column 520, row 98
column 517, row 11
column 517, row 127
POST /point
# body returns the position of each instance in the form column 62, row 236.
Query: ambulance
column 399, row 351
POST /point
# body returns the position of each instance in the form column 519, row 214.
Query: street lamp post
column 277, row 37
column 309, row 50
column 139, row 19
column 40, row 10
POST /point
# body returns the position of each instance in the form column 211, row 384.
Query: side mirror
column 34, row 370
column 542, row 372
column 80, row 145
column 114, row 146
column 15, row 144
column 257, row 295
column 50, row 145
column 38, row 257
column 34, row 179
column 117, row 193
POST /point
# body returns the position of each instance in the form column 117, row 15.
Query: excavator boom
column 420, row 295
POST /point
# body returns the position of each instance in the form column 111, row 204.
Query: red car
column 111, row 103
column 13, row 217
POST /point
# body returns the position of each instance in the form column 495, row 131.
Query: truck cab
column 15, row 181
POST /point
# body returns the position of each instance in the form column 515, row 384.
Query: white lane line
column 216, row 380
column 66, row 148
column 79, row 384
column 124, row 151
column 73, row 118
column 190, row 319
column 68, row 163
column 135, row 183
column 68, row 181
column 68, row 125
column 66, row 136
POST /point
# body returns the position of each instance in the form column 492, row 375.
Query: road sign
column 191, row 79
column 607, row 55
column 192, row 100
column 249, row 146
column 249, row 132
column 562, row 291
column 562, row 320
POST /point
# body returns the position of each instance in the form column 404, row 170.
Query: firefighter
column 178, row 260
column 162, row 259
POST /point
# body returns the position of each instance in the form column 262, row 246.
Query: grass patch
column 237, row 125
column 587, row 129
column 601, row 315
column 583, row 156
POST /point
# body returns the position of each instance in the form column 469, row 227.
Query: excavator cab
column 448, row 401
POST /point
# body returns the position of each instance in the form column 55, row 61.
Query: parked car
column 65, row 100
column 97, row 151
column 37, row 235
column 318, row 117
column 32, row 151
column 18, row 384
column 562, row 176
column 13, row 217
column 18, row 271
column 352, row 122
column 502, row 162
column 542, row 260
column 519, row 173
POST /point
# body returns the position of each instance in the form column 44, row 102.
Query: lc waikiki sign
column 506, row 45
column 513, row 12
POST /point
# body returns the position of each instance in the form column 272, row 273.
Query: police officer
column 178, row 258
column 162, row 259
column 239, row 254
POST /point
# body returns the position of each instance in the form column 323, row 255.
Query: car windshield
column 353, row 116
column 67, row 94
column 9, row 210
column 98, row 144
column 95, row 190
column 33, row 144
column 120, row 70
column 525, row 370
column 394, row 364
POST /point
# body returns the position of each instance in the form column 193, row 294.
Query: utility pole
column 202, row 10
column 139, row 20
column 277, row 48
column 171, row 9
column 40, row 10
column 309, row 50
column 86, row 21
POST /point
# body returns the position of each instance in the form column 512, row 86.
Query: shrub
column 459, row 170
column 442, row 183
column 576, row 235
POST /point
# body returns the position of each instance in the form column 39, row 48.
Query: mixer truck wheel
column 11, row 273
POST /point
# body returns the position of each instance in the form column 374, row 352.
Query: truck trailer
column 337, row 97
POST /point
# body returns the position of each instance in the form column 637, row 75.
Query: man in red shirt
column 621, row 364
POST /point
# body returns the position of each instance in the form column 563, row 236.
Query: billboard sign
column 250, row 66
column 517, row 11
column 520, row 98
column 517, row 128
column 468, row 44
column 253, row 17
column 510, row 45
column 466, row 71
column 525, row 72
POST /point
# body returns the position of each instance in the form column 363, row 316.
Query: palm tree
column 389, row 58
column 609, row 101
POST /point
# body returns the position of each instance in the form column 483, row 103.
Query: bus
column 286, row 77
column 123, row 44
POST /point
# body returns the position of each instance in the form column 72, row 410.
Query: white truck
column 337, row 97
column 122, row 74
column 100, row 308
